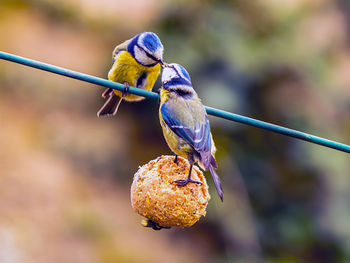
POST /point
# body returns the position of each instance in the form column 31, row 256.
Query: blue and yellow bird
column 185, row 123
column 136, row 62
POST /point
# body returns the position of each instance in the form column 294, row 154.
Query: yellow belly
column 126, row 69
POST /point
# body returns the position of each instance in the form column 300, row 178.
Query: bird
column 136, row 62
column 185, row 124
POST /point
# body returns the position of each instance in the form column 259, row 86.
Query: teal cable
column 153, row 95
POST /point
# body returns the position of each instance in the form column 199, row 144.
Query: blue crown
column 184, row 72
column 176, row 82
column 150, row 41
column 181, row 76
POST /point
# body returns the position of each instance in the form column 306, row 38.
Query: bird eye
column 143, row 57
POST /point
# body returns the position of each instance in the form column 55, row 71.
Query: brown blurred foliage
column 65, row 175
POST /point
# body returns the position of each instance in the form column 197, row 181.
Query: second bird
column 136, row 62
column 185, row 123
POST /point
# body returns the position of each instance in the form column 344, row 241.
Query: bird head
column 146, row 48
column 175, row 78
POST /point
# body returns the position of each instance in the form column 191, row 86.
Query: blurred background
column 65, row 175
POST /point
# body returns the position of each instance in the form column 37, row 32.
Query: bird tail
column 111, row 105
column 217, row 182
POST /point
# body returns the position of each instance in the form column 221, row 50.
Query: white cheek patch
column 141, row 56
column 169, row 74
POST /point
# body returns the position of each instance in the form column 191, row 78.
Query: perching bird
column 136, row 62
column 185, row 123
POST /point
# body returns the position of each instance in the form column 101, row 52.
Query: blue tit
column 136, row 62
column 185, row 123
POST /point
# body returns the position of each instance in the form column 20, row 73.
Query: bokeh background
column 65, row 175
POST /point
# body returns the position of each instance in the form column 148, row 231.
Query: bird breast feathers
column 126, row 68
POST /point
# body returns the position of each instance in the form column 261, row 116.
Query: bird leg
column 107, row 93
column 126, row 89
column 153, row 225
column 183, row 182
column 175, row 160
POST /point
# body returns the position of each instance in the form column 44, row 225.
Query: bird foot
column 126, row 89
column 107, row 93
column 183, row 182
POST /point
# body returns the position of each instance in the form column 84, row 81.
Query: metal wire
column 212, row 111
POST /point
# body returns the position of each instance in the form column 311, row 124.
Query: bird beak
column 162, row 63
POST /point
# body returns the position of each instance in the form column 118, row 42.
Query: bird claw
column 183, row 182
column 107, row 93
column 175, row 159
column 126, row 89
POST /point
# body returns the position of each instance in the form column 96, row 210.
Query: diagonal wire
column 212, row 111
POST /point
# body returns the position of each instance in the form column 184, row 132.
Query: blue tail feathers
column 216, row 180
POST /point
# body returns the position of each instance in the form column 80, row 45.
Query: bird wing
column 119, row 48
column 174, row 123
column 197, row 135
column 203, row 143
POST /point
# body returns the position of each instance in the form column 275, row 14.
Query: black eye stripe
column 177, row 72
column 147, row 54
column 150, row 56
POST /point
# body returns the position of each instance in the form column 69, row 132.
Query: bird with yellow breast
column 136, row 62
column 185, row 123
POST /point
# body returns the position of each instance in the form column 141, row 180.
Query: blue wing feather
column 202, row 140
column 199, row 137
column 175, row 125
